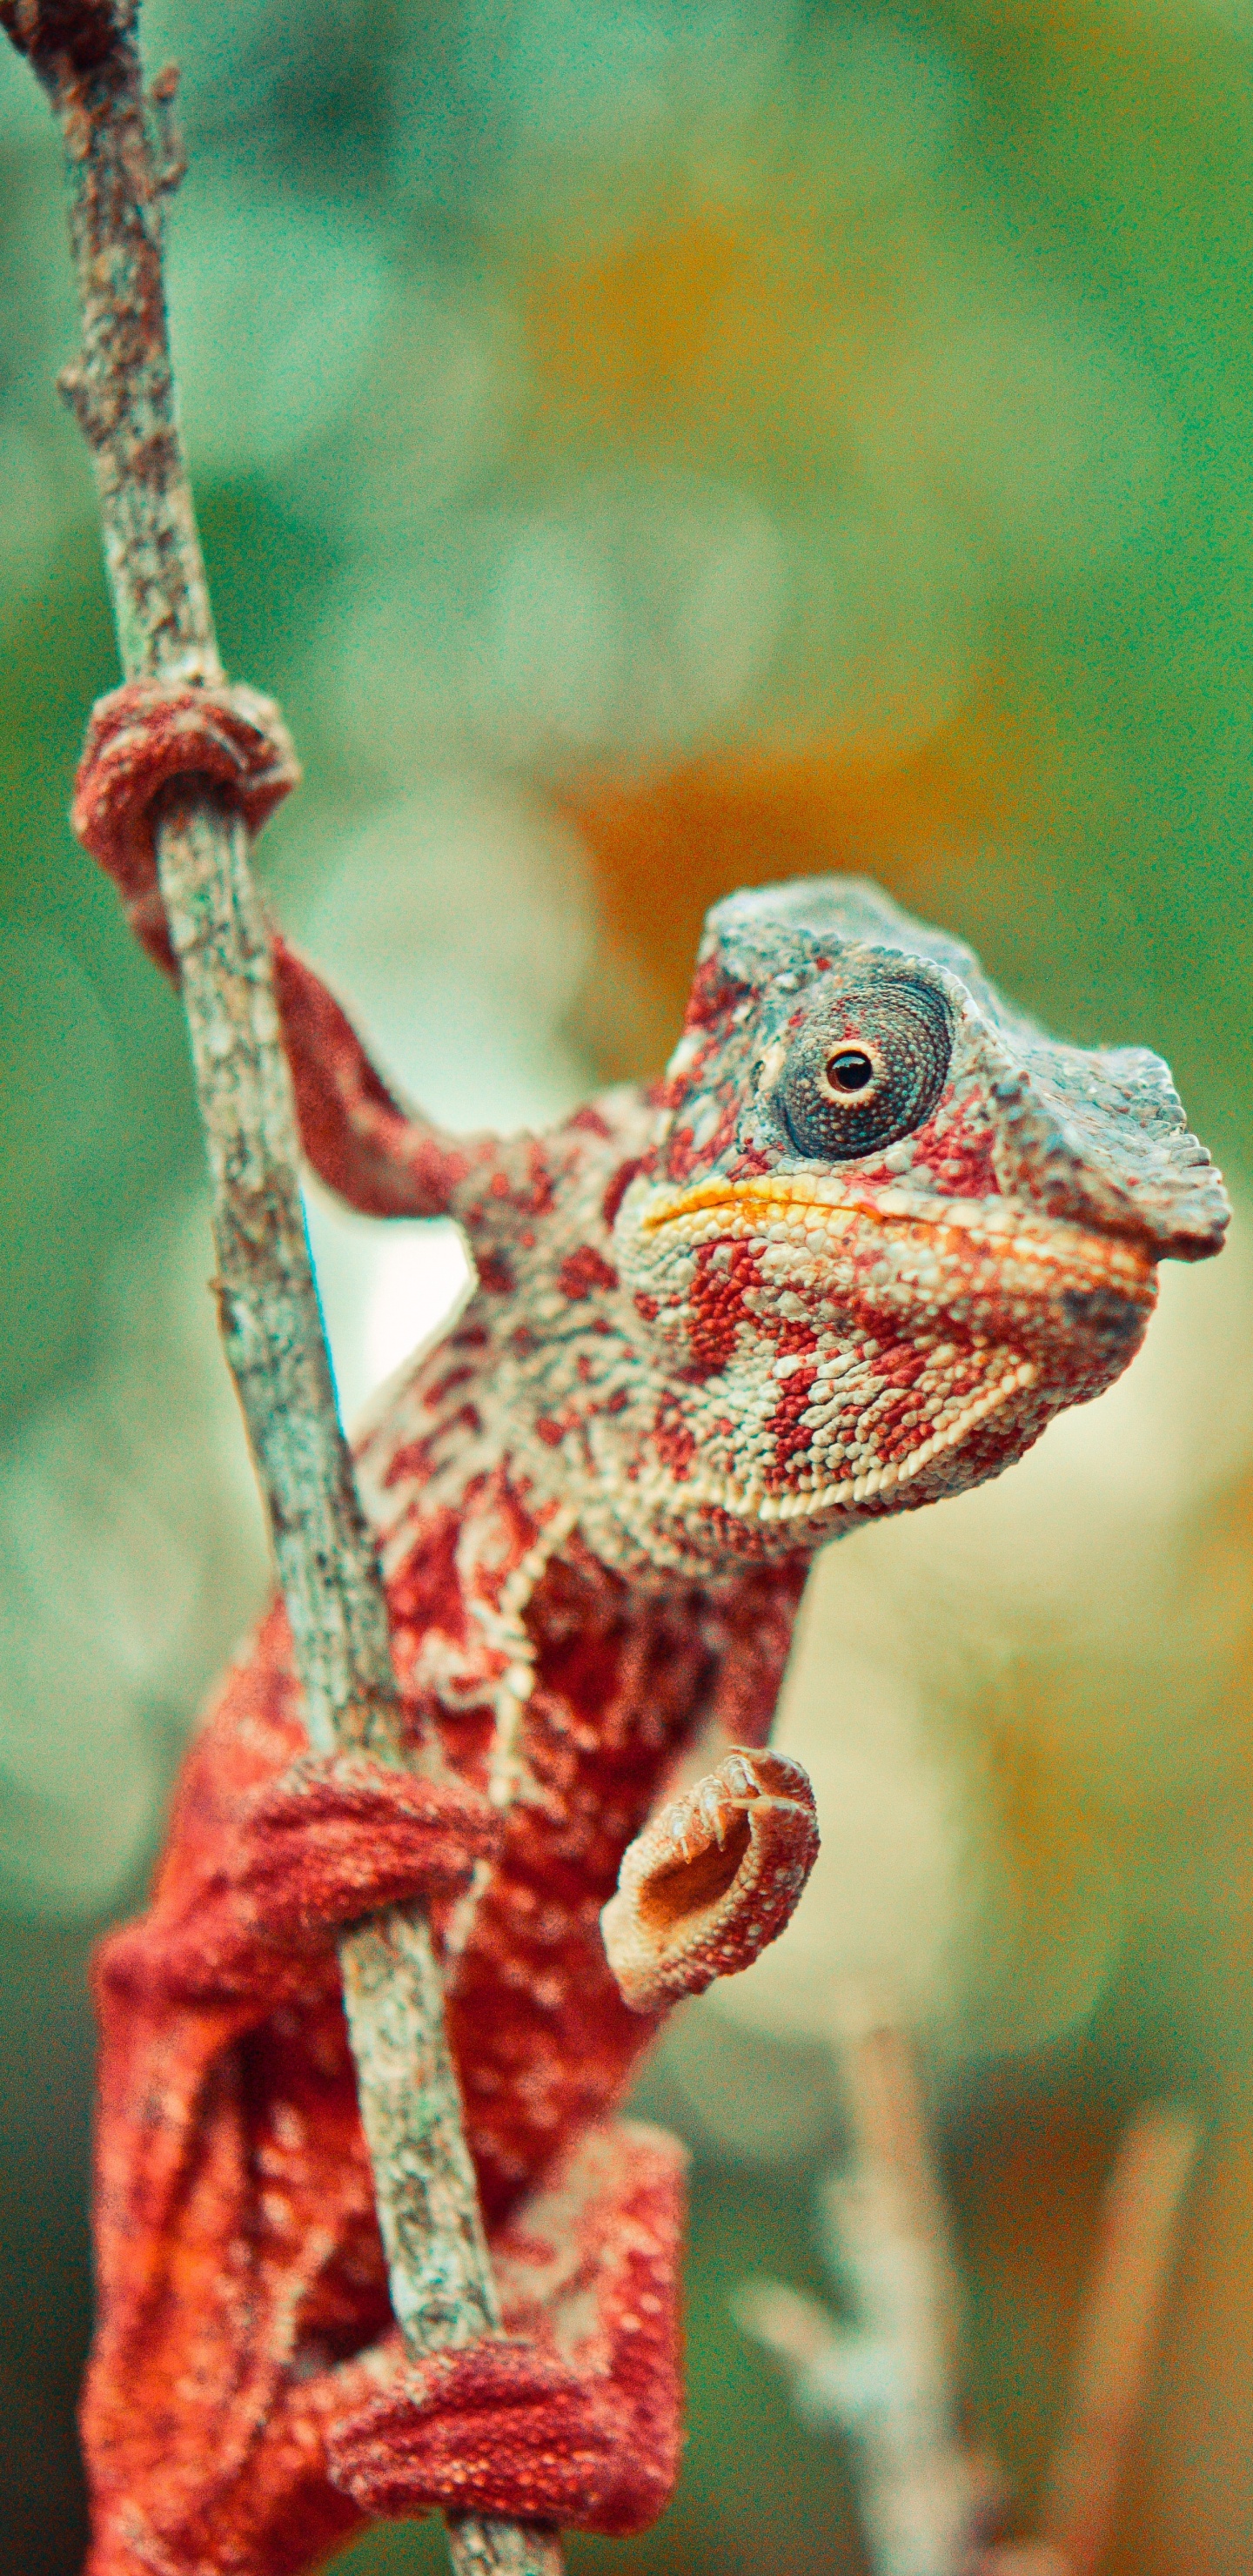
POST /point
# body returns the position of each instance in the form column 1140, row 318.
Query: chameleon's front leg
column 712, row 1880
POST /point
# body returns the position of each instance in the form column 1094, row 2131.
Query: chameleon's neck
column 549, row 1424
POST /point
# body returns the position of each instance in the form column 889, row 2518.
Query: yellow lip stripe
column 999, row 1227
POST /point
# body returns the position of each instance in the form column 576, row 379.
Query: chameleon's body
column 868, row 1236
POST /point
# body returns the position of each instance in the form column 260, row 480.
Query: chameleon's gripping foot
column 574, row 2414
column 501, row 2427
column 150, row 732
column 334, row 1837
column 339, row 1835
column 712, row 1880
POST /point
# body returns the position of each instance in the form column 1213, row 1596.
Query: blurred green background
column 646, row 447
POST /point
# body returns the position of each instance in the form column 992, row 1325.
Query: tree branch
column 932, row 2496
column 86, row 55
column 927, row 2493
column 1109, row 2378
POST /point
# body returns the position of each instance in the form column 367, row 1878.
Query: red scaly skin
column 868, row 1236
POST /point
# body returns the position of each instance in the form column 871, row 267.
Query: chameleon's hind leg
column 237, row 2248
column 574, row 2414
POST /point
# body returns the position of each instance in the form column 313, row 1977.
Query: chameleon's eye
column 867, row 1068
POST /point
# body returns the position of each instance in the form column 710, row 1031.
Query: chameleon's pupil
column 849, row 1070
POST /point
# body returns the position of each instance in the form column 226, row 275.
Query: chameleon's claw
column 712, row 1880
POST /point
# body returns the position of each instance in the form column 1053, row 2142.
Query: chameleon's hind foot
column 712, row 1880
column 498, row 2428
column 574, row 2414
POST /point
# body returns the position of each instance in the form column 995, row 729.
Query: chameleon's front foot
column 338, row 1835
column 334, row 1837
column 712, row 1880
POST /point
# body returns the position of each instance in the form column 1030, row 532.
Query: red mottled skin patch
column 786, row 1427
column 684, row 1157
column 495, row 1275
column 718, row 1312
column 618, row 1187
column 709, row 996
column 582, row 1272
column 674, row 1442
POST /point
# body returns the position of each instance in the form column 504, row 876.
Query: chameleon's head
column 888, row 1228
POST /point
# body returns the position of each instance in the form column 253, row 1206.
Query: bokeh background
column 649, row 446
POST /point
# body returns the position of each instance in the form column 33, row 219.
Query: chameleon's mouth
column 1000, row 1228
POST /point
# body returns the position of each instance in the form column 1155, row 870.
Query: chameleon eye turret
column 868, row 1067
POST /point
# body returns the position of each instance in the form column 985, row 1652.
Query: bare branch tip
column 170, row 156
column 72, row 388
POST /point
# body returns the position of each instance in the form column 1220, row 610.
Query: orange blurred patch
column 628, row 331
column 712, row 332
column 664, row 848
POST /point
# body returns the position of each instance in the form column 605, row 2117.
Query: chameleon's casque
column 870, row 1232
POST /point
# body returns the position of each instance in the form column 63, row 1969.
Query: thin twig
column 927, row 2496
column 86, row 55
column 893, row 2380
column 932, row 2500
column 1108, row 2377
column 883, row 2095
column 1109, row 2374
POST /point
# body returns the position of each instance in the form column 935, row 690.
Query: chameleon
column 867, row 1235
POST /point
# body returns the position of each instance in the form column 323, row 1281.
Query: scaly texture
column 871, row 1232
